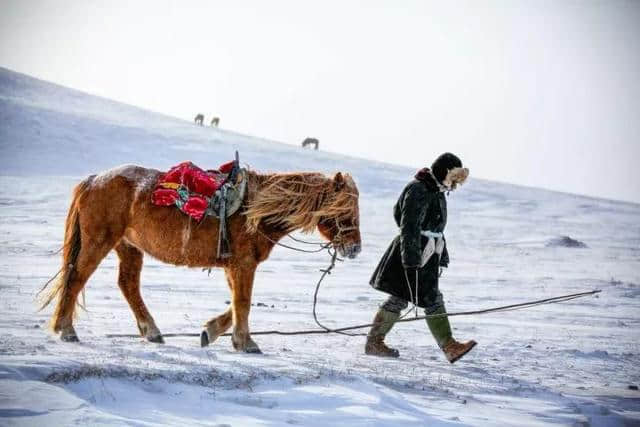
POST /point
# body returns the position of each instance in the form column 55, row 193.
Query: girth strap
column 224, row 247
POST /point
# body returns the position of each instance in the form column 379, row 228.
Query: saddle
column 200, row 193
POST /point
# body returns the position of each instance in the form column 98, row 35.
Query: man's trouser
column 439, row 326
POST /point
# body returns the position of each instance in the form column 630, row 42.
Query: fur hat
column 448, row 170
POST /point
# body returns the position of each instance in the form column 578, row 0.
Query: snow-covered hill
column 570, row 363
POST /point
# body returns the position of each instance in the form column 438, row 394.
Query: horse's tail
column 70, row 249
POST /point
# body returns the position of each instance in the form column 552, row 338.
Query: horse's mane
column 298, row 200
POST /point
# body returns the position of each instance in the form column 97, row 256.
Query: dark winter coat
column 420, row 207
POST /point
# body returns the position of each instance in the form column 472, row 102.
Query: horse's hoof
column 150, row 332
column 249, row 346
column 252, row 347
column 158, row 339
column 69, row 338
column 204, row 339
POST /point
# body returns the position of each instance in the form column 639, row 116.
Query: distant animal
column 311, row 141
column 199, row 119
column 215, row 121
column 113, row 210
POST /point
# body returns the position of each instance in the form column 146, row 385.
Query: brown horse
column 113, row 210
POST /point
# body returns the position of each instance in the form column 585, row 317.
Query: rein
column 322, row 246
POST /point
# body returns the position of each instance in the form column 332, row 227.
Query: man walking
column 410, row 268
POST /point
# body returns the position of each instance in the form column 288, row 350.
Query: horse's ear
column 338, row 181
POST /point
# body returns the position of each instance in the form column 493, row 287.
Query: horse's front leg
column 241, row 277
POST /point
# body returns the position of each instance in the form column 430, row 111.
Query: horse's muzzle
column 349, row 251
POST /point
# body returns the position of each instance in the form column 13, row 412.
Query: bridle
column 342, row 231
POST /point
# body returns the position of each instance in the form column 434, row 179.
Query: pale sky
column 540, row 93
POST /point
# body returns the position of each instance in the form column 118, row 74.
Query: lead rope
column 415, row 306
column 325, row 272
column 511, row 307
column 414, row 299
column 414, row 302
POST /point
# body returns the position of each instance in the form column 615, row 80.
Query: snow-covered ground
column 570, row 363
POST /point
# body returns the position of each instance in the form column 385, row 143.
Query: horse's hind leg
column 129, row 283
column 89, row 257
column 220, row 324
column 216, row 327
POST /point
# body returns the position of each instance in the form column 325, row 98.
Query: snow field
column 568, row 364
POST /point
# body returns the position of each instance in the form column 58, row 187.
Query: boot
column 383, row 322
column 441, row 331
column 454, row 350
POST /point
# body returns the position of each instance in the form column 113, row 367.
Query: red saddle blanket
column 189, row 187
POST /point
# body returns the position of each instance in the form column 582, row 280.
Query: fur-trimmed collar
column 425, row 176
